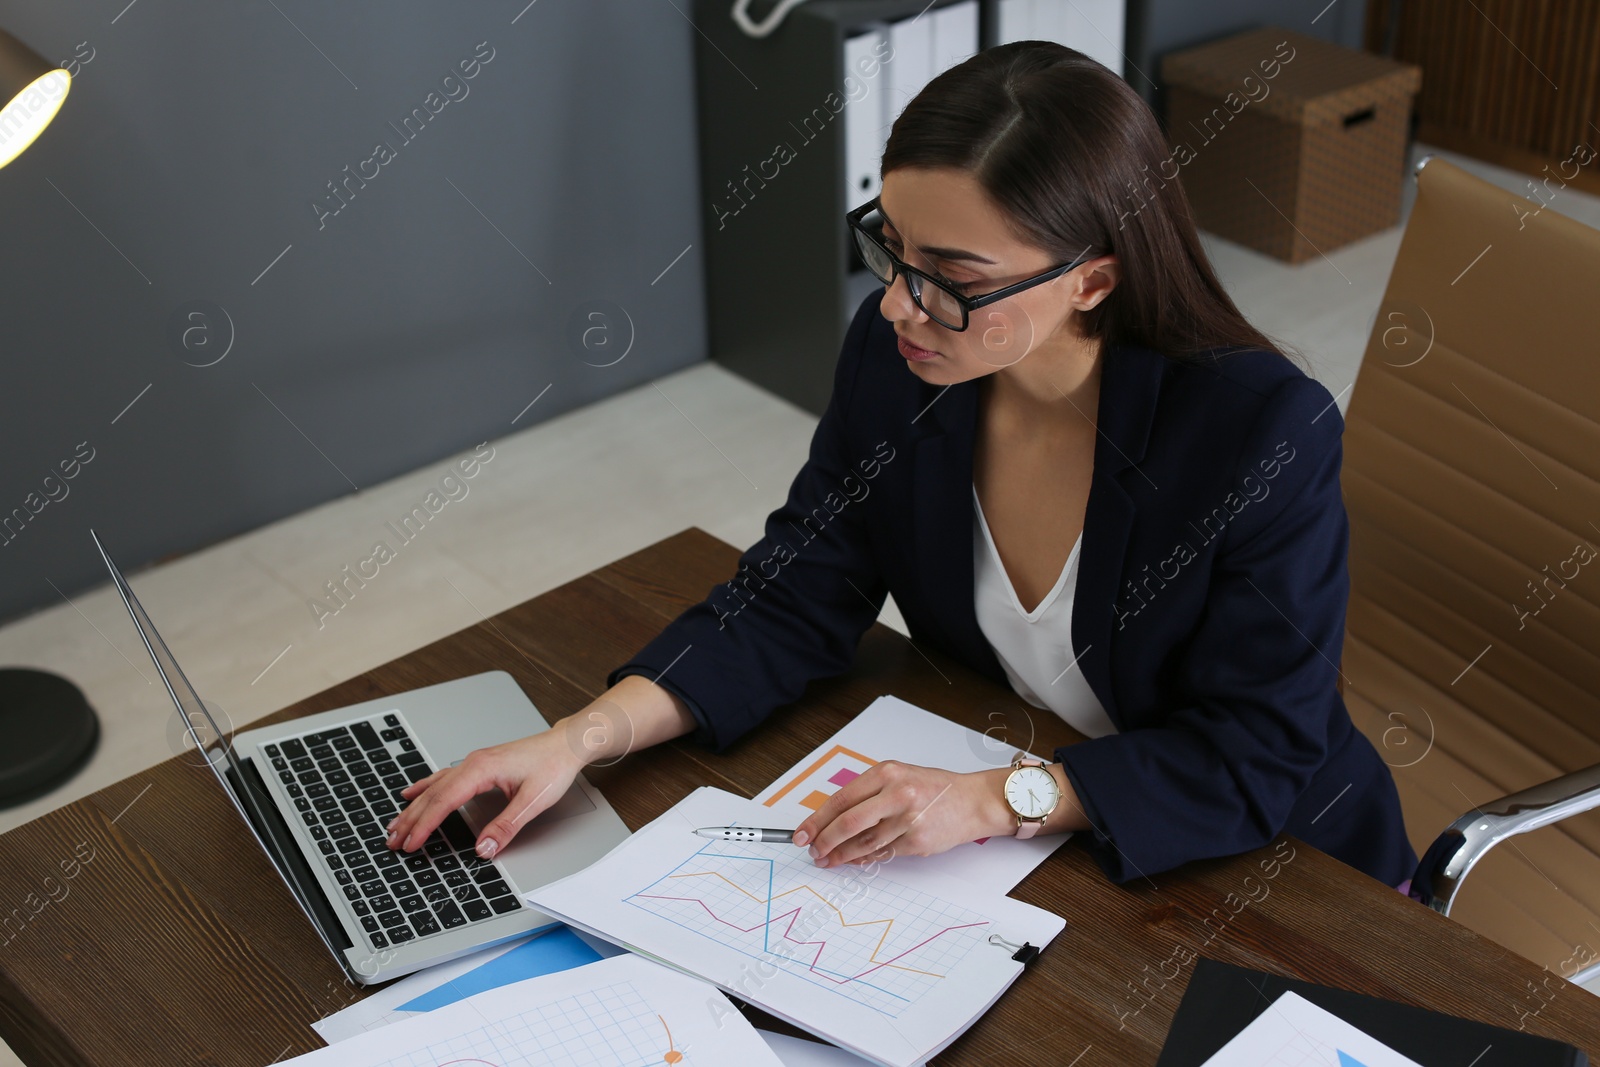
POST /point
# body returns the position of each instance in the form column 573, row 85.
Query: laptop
column 316, row 793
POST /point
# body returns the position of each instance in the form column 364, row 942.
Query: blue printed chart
column 882, row 945
column 1302, row 1050
column 1293, row 1032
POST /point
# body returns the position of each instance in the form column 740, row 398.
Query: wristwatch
column 1033, row 794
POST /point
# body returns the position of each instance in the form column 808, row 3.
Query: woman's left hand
column 899, row 809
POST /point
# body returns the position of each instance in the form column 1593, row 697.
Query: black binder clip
column 1023, row 954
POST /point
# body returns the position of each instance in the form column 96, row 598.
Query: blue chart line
column 870, row 940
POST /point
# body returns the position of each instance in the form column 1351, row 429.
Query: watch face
column 1032, row 792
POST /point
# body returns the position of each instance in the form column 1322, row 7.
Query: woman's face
column 940, row 221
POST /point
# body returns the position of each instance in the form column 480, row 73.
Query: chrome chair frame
column 1467, row 840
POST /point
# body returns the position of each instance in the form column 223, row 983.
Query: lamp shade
column 31, row 92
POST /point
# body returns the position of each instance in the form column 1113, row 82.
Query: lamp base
column 48, row 731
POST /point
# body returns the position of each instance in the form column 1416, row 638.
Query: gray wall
column 1156, row 27
column 192, row 148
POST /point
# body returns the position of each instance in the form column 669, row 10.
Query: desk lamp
column 31, row 90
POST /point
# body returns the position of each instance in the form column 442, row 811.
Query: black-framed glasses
column 934, row 296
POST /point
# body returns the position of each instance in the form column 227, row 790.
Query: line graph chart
column 865, row 938
column 888, row 962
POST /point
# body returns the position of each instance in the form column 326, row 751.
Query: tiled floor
column 556, row 500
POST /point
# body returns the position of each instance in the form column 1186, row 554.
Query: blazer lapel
column 942, row 492
column 1130, row 382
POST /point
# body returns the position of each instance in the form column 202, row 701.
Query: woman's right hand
column 535, row 772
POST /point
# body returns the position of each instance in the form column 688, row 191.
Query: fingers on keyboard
column 351, row 786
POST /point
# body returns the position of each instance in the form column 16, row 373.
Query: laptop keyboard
column 345, row 783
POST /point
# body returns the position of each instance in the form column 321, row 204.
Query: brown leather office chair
column 1472, row 481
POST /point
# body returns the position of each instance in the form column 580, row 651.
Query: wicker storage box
column 1288, row 144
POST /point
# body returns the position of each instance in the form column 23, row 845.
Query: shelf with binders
column 778, row 176
column 792, row 131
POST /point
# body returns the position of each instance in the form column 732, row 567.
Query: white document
column 620, row 1010
column 890, row 728
column 798, row 1052
column 1293, row 1032
column 865, row 124
column 380, row 1008
column 955, row 34
column 891, row 968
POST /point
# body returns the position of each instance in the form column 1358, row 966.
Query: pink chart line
column 812, row 966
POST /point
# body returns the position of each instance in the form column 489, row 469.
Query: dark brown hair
column 1073, row 156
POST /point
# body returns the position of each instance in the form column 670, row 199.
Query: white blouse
column 1035, row 648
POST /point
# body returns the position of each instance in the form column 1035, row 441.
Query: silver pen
column 746, row 833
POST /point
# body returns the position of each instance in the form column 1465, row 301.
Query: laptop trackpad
column 544, row 848
column 484, row 807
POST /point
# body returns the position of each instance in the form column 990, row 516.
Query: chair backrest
column 1472, row 463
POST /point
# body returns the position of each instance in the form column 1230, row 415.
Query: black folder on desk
column 1222, row 1000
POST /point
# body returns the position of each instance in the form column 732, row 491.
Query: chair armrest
column 1453, row 853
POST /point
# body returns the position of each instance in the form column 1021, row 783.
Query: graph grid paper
column 604, row 1027
column 857, row 935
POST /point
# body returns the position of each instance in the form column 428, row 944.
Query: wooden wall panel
column 1513, row 82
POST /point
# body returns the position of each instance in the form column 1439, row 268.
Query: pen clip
column 1023, row 953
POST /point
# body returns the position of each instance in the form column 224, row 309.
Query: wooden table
column 145, row 928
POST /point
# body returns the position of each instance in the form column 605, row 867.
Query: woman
column 1079, row 470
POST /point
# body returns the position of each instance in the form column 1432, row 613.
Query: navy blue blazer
column 1208, row 615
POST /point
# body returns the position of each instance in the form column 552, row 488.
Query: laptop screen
column 220, row 757
column 203, row 730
